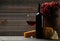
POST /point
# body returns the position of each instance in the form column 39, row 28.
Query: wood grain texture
column 16, row 23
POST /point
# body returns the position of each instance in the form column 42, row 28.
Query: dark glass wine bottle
column 39, row 24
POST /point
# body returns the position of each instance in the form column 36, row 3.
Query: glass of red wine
column 31, row 21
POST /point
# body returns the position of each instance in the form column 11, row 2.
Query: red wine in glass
column 32, row 23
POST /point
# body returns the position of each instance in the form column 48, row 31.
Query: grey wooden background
column 16, row 17
column 15, row 12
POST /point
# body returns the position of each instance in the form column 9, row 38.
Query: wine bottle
column 39, row 24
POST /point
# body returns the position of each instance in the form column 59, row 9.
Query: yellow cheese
column 30, row 33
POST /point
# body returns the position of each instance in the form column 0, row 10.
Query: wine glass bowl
column 31, row 21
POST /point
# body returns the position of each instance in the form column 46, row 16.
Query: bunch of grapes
column 49, row 8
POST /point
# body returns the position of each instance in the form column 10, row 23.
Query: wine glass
column 31, row 21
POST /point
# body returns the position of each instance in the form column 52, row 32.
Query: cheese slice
column 55, row 35
column 31, row 33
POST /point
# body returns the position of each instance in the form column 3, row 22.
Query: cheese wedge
column 30, row 33
column 55, row 35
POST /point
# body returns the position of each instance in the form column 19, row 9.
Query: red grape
column 49, row 7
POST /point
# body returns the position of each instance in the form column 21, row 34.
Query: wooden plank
column 19, row 2
column 22, row 8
